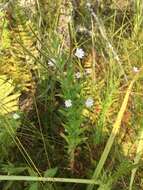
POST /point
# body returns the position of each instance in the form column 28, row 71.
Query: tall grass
column 114, row 132
column 138, row 17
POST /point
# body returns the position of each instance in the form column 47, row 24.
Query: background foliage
column 70, row 92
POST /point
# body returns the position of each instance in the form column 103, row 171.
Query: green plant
column 139, row 144
column 70, row 63
column 72, row 111
column 114, row 132
column 9, row 119
column 110, row 181
column 138, row 17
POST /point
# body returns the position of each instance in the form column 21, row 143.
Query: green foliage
column 9, row 104
column 59, row 135
column 33, row 186
column 9, row 124
column 110, row 181
column 50, row 172
column 8, row 128
column 108, row 100
column 139, row 144
column 138, row 17
column 71, row 91
column 5, row 40
column 12, row 169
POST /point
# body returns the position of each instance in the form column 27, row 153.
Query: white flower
column 51, row 62
column 89, row 102
column 68, row 103
column 88, row 71
column 88, row 4
column 79, row 53
column 16, row 116
column 135, row 69
column 78, row 75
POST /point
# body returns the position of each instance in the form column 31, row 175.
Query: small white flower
column 135, row 69
column 88, row 4
column 89, row 102
column 79, row 53
column 88, row 71
column 51, row 63
column 110, row 46
column 16, row 116
column 68, row 103
column 78, row 75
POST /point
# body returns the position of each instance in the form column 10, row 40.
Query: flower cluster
column 88, row 103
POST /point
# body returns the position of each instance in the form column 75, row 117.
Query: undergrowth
column 71, row 95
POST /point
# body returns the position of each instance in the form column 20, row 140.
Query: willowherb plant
column 72, row 111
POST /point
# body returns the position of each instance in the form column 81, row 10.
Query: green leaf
column 51, row 172
column 32, row 172
column 8, row 185
column 12, row 169
column 34, row 186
